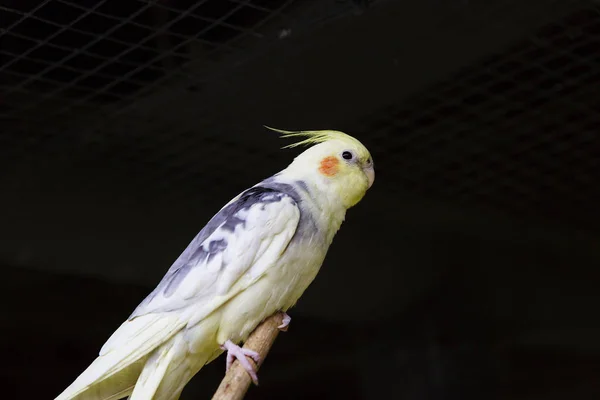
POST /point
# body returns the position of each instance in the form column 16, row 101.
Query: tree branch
column 237, row 381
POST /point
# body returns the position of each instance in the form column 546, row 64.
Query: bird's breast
column 277, row 290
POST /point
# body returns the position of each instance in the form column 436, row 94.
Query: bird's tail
column 114, row 387
column 168, row 370
column 160, row 374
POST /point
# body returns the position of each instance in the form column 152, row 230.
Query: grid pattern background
column 517, row 131
column 88, row 77
column 102, row 52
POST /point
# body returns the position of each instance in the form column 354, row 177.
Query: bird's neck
column 322, row 202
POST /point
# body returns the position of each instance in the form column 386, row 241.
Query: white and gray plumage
column 255, row 257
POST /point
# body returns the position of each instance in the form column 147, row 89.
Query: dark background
column 468, row 271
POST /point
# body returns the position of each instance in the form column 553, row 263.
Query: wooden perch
column 237, row 381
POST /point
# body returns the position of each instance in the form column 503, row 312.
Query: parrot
column 256, row 256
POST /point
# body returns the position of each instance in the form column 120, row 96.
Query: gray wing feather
column 199, row 252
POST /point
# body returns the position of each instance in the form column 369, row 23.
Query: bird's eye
column 346, row 155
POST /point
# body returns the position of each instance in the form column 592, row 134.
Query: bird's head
column 338, row 164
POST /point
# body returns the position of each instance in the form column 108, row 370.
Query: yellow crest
column 314, row 137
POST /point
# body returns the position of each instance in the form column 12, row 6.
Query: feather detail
column 314, row 137
column 248, row 241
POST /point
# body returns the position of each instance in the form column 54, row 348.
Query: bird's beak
column 370, row 173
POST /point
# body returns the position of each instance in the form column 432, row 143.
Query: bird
column 256, row 256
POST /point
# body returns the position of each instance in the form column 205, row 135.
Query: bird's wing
column 234, row 250
column 245, row 239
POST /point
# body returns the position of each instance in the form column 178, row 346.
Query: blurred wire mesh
column 58, row 55
column 516, row 131
column 70, row 69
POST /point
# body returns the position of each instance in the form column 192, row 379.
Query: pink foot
column 285, row 322
column 235, row 351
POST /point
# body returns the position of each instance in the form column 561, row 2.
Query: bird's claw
column 235, row 351
column 285, row 322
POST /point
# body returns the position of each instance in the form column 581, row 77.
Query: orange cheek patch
column 329, row 166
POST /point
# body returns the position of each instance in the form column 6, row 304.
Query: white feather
column 251, row 250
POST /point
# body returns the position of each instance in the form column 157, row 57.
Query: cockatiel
column 255, row 257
